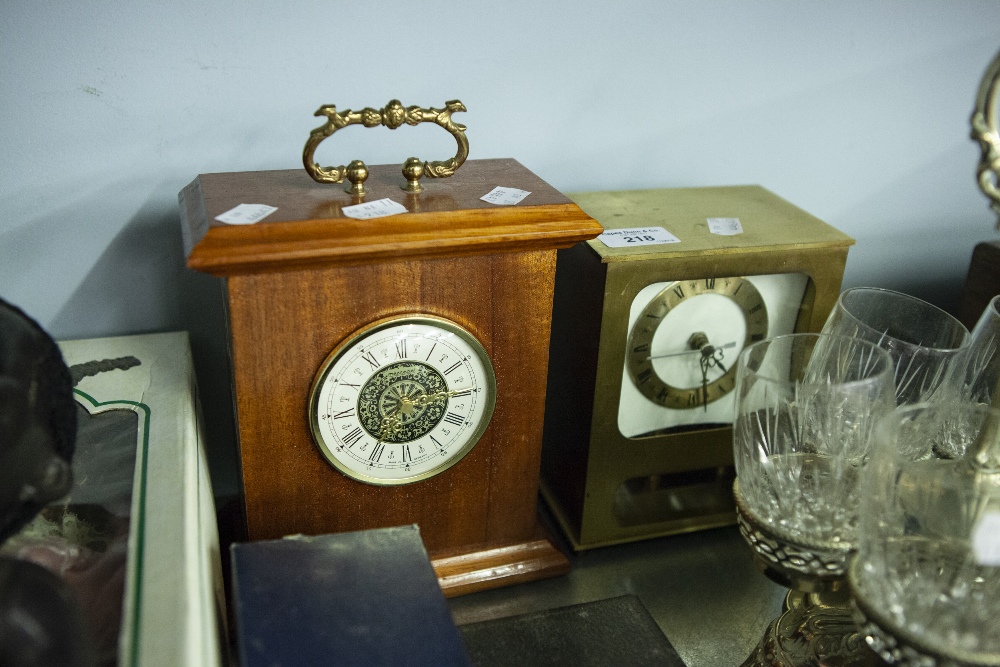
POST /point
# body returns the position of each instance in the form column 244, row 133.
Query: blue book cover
column 363, row 598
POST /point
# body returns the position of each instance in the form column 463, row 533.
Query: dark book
column 616, row 631
column 363, row 598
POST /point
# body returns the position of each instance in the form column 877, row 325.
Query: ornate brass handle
column 986, row 132
column 392, row 116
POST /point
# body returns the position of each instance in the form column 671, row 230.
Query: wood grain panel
column 304, row 315
column 519, row 315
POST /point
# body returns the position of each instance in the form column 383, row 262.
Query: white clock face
column 684, row 339
column 403, row 400
column 676, row 354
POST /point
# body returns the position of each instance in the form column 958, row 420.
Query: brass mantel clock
column 391, row 371
column 645, row 339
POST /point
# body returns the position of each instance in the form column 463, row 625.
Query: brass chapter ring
column 393, row 115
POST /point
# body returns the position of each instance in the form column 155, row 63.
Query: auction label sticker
column 246, row 214
column 380, row 208
column 636, row 236
column 505, row 196
column 725, row 226
column 986, row 539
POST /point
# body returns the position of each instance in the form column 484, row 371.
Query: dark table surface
column 701, row 588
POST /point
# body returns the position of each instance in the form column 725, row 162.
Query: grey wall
column 855, row 110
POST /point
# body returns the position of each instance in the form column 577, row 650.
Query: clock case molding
column 307, row 277
column 586, row 460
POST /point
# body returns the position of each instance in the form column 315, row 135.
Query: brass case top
column 769, row 222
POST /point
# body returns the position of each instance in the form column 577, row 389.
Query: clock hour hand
column 717, row 361
column 712, row 356
column 703, row 362
column 390, row 424
column 392, row 421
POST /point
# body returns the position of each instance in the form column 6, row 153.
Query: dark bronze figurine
column 41, row 622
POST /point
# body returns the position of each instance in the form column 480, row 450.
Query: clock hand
column 390, row 424
column 713, row 356
column 717, row 361
column 392, row 421
column 704, row 363
column 692, row 351
column 424, row 399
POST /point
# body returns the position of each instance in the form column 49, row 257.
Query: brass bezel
column 357, row 338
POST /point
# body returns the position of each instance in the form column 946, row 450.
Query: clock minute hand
column 691, row 351
column 424, row 399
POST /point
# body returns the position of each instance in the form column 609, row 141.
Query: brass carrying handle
column 392, row 116
column 986, row 132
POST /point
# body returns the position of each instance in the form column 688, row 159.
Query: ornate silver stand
column 817, row 628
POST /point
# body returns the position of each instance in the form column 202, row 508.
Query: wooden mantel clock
column 392, row 371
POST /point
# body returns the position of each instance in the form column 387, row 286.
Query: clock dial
column 402, row 400
column 681, row 349
column 684, row 339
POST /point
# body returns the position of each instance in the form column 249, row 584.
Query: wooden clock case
column 307, row 277
column 603, row 487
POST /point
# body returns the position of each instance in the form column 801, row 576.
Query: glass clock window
column 684, row 339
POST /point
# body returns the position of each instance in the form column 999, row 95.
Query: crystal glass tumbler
column 926, row 578
column 807, row 405
column 976, row 370
column 922, row 339
column 806, row 409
